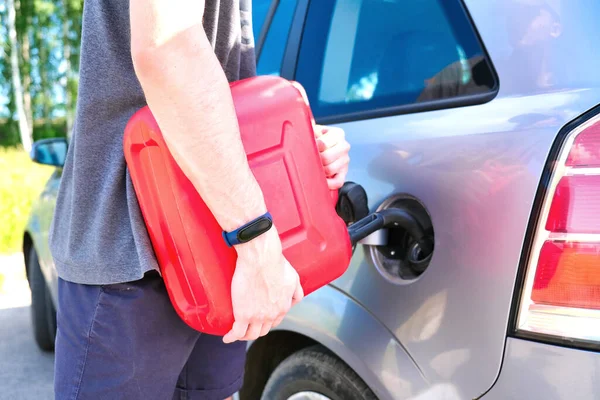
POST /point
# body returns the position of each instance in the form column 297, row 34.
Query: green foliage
column 49, row 34
column 9, row 133
column 21, row 182
column 51, row 129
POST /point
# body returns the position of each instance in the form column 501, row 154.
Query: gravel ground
column 25, row 371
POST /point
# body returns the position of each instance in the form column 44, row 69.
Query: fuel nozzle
column 392, row 218
column 380, row 229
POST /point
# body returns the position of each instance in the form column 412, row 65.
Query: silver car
column 481, row 119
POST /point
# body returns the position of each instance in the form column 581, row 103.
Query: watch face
column 255, row 229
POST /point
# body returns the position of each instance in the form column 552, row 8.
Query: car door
column 42, row 216
column 423, row 105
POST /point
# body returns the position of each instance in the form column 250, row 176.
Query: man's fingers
column 320, row 130
column 337, row 181
column 330, row 138
column 229, row 337
column 334, row 153
column 240, row 328
column 278, row 321
column 337, row 166
column 253, row 331
column 265, row 329
column 238, row 331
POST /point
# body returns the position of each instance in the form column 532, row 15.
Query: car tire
column 43, row 313
column 319, row 375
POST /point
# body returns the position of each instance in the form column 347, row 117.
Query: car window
column 271, row 55
column 361, row 55
column 260, row 9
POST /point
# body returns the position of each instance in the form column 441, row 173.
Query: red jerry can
column 277, row 131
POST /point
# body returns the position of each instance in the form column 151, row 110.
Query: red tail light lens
column 586, row 149
column 562, row 288
column 568, row 275
column 576, row 205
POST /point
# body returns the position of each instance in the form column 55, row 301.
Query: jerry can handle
column 389, row 218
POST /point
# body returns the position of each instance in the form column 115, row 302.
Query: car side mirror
column 49, row 152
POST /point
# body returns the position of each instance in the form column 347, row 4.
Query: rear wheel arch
column 265, row 354
column 269, row 352
column 316, row 370
column 335, row 321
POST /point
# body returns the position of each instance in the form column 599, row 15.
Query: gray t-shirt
column 98, row 235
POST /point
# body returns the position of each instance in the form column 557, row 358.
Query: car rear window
column 362, row 55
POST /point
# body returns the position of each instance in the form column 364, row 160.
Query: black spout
column 390, row 218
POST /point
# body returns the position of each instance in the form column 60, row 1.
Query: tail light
column 561, row 295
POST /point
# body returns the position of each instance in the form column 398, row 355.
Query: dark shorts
column 125, row 341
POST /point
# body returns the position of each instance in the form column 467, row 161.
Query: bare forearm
column 188, row 93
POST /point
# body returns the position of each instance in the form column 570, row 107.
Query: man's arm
column 188, row 93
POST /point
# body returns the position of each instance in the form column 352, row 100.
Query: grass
column 21, row 182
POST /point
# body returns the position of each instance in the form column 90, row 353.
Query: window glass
column 260, row 8
column 271, row 56
column 360, row 55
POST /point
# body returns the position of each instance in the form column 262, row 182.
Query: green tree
column 24, row 32
column 18, row 89
column 71, row 28
column 39, row 62
column 46, row 43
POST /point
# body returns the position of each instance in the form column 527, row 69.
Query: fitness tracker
column 249, row 231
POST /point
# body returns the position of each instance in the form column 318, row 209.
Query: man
column 118, row 335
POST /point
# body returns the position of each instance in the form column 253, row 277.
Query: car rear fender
column 336, row 321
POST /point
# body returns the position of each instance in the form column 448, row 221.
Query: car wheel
column 43, row 314
column 315, row 373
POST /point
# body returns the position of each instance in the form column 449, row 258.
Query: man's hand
column 263, row 289
column 334, row 150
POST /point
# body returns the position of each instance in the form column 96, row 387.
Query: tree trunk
column 25, row 51
column 68, row 73
column 45, row 91
column 24, row 127
column 23, row 15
